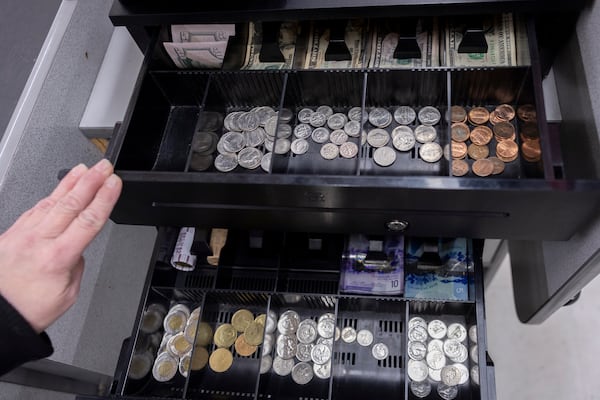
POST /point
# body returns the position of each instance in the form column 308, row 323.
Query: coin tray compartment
column 356, row 373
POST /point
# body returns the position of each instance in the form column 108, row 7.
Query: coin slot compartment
column 340, row 90
column 416, row 89
column 356, row 373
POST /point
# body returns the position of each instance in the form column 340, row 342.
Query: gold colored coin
column 460, row 132
column 459, row 150
column 460, row 168
column 175, row 322
column 479, row 116
column 225, row 335
column 483, row 167
column 244, row 349
column 481, row 135
column 199, row 358
column 498, row 165
column 220, row 360
column 477, row 152
column 179, row 345
column 241, row 319
column 254, row 334
column 458, row 114
column 261, row 319
column 204, row 334
column 507, row 150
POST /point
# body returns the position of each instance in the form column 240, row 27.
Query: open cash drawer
column 548, row 199
column 267, row 272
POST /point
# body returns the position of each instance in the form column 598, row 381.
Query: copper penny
column 495, row 118
column 529, row 131
column 460, row 132
column 481, row 135
column 507, row 150
column 459, row 150
column 243, row 348
column 479, row 116
column 460, row 168
column 504, row 131
column 527, row 113
column 505, row 112
column 531, row 150
column 458, row 114
column 498, row 165
column 477, row 152
column 483, row 167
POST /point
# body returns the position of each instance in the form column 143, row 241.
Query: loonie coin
column 241, row 319
column 357, row 114
column 435, row 344
column 378, row 137
column 473, row 333
column 320, row 354
column 271, row 126
column 248, row 121
column 431, row 152
column 254, row 333
column 325, row 110
column 527, row 113
column 200, row 163
column 464, row 373
column 403, row 138
column 380, row 117
column 178, row 345
column 165, row 368
column 338, row 137
column 250, row 158
column 225, row 335
column 425, row 134
column 286, row 346
column 329, row 151
column 220, row 360
column 460, row 132
column 474, row 354
column 199, row 358
column 452, row 348
column 299, row 146
column 475, row 374
column 478, row 116
column 481, row 135
column 337, row 121
column 303, row 351
column 261, row 319
column 414, row 321
column 460, row 168
column 243, row 348
column 451, row 375
column 498, row 165
column 282, row 146
column 384, row 156
column 326, row 327
column 477, row 152
column 348, row 150
column 307, row 331
column 302, row 131
column 416, row 350
column 418, row 333
column 405, row 115
column 322, row 371
column 436, row 329
column 226, row 162
column 429, row 115
column 505, row 112
column 436, row 359
column 320, row 135
column 380, row 351
column 265, row 162
column 420, row 389
column 417, row 370
column 435, row 374
column 457, row 331
column 283, row 367
column 304, row 115
column 317, row 119
column 364, row 337
column 302, row 373
column 265, row 363
column 483, row 167
column 352, row 128
column 458, row 114
column 447, row 392
column 462, row 356
column 348, row 334
column 288, row 322
column 141, row 364
column 507, row 150
column 175, row 322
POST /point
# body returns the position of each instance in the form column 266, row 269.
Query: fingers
column 72, row 202
column 90, row 221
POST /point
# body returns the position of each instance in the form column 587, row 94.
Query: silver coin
column 265, row 363
column 417, row 333
column 473, row 333
column 322, row 371
column 302, row 373
column 326, row 328
column 475, row 374
column 384, row 156
column 317, row 119
column 267, row 346
column 248, row 121
column 326, row 341
column 285, row 346
column 474, row 352
column 416, row 350
column 405, row 115
column 447, row 392
column 380, row 117
column 320, row 135
column 284, row 131
column 363, row 138
column 436, row 359
column 299, row 146
column 451, row 375
column 429, row 115
column 303, row 351
column 462, row 356
column 338, row 137
column 378, row 137
column 255, row 138
column 268, row 338
column 226, row 162
column 329, row 151
column 425, row 134
column 352, row 128
column 348, row 150
column 452, row 347
column 250, row 158
column 265, row 164
column 222, row 150
column 320, row 354
column 285, row 115
column 283, row 367
column 348, row 334
column 271, row 323
column 403, row 140
column 288, row 322
column 420, row 389
column 337, row 121
column 304, row 115
column 435, row 344
column 200, row 162
column 282, row 146
column 302, row 131
column 417, row 370
column 337, row 334
column 307, row 331
column 436, row 329
column 233, row 142
column 271, row 126
column 269, row 144
column 364, row 337
column 457, row 331
column 210, row 121
column 357, row 114
column 464, row 373
column 414, row 321
column 447, row 152
column 326, row 315
column 431, row 152
column 380, row 351
column 435, row 374
column 406, row 130
column 264, row 113
column 204, row 142
column 325, row 110
column 230, row 121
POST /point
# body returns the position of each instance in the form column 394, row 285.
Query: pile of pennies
column 438, row 356
column 529, row 133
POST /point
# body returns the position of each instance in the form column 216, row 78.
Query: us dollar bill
column 500, row 37
column 384, row 43
column 288, row 34
column 356, row 38
column 197, row 54
column 202, row 33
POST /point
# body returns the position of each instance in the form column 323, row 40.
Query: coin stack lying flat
column 472, row 134
column 204, row 142
column 437, row 356
column 529, row 134
column 147, row 341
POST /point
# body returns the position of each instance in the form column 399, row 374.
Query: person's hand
column 41, row 261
